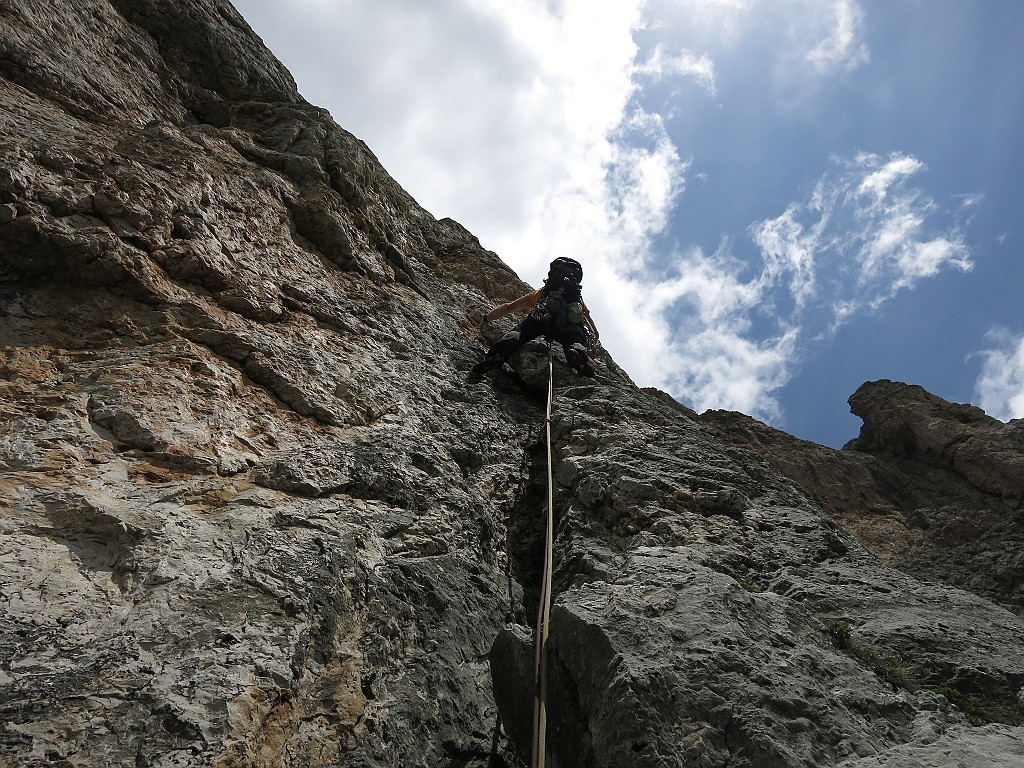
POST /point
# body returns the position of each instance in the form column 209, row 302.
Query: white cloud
column 710, row 353
column 821, row 37
column 897, row 251
column 925, row 259
column 842, row 48
column 999, row 389
column 484, row 111
column 728, row 370
column 788, row 249
column 877, row 183
column 684, row 64
column 864, row 235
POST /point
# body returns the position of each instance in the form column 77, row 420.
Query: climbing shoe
column 488, row 363
column 585, row 369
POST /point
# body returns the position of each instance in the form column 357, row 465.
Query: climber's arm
column 523, row 302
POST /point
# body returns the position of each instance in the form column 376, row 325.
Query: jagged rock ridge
column 254, row 515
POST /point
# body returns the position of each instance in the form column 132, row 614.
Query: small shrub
column 749, row 586
column 898, row 671
column 980, row 708
column 840, row 630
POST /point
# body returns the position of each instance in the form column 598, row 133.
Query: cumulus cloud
column 999, row 389
column 892, row 243
column 789, row 250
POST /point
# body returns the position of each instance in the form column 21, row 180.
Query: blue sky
column 774, row 200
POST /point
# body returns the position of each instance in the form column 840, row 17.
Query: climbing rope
column 540, row 716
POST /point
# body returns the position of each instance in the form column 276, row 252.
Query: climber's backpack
column 561, row 298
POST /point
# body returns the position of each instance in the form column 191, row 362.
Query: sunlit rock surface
column 254, row 513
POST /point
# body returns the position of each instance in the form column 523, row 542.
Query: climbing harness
column 540, row 716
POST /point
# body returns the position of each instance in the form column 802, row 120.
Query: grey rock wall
column 253, row 513
column 930, row 486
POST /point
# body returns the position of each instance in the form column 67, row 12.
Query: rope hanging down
column 540, row 716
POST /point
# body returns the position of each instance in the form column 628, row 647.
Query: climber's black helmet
column 562, row 266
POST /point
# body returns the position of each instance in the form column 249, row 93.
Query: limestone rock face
column 930, row 486
column 906, row 422
column 253, row 512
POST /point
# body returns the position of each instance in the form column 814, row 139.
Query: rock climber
column 557, row 311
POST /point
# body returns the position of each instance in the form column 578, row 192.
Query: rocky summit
column 255, row 512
